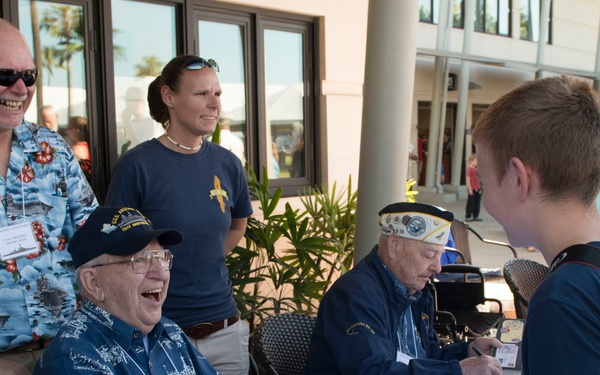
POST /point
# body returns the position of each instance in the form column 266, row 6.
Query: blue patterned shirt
column 96, row 342
column 46, row 188
column 408, row 335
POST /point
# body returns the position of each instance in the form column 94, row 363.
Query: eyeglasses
column 9, row 77
column 142, row 264
column 197, row 63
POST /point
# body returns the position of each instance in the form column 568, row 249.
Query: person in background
column 48, row 117
column 229, row 140
column 538, row 152
column 123, row 274
column 138, row 126
column 77, row 135
column 200, row 188
column 297, row 150
column 378, row 317
column 78, row 132
column 474, row 189
column 45, row 198
column 412, row 157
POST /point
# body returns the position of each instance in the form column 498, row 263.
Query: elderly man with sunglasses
column 45, row 198
column 123, row 272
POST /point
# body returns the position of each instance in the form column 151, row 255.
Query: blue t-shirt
column 198, row 194
column 96, row 342
column 562, row 329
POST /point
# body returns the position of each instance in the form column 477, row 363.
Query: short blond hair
column 553, row 126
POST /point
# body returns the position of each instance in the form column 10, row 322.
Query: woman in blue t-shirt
column 179, row 181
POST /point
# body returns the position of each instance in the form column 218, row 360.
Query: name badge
column 17, row 241
column 403, row 358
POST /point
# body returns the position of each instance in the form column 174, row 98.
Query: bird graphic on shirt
column 219, row 193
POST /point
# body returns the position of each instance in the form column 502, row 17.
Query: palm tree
column 36, row 48
column 151, row 67
column 49, row 61
column 65, row 23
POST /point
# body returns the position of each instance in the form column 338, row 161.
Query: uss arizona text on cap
column 116, row 231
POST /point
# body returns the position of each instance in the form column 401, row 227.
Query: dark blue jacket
column 357, row 324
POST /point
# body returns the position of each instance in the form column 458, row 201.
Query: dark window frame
column 529, row 37
column 257, row 148
column 497, row 23
column 458, row 17
column 101, row 87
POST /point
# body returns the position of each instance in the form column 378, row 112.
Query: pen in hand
column 479, row 354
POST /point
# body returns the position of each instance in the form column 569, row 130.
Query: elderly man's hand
column 484, row 365
column 485, row 345
column 12, row 368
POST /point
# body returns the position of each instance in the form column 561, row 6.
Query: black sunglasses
column 9, row 77
column 197, row 63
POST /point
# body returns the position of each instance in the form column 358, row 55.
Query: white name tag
column 403, row 358
column 17, row 241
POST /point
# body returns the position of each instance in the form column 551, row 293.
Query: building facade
column 292, row 73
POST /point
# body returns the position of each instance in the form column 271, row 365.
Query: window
column 428, row 11
column 458, row 11
column 492, row 16
column 142, row 45
column 284, row 94
column 56, row 34
column 266, row 75
column 529, row 17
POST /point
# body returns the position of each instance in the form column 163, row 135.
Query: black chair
column 523, row 276
column 460, row 296
column 460, row 233
column 444, row 322
column 281, row 343
column 253, row 369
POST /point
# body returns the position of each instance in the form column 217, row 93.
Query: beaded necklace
column 182, row 146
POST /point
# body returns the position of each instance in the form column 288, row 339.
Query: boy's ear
column 521, row 175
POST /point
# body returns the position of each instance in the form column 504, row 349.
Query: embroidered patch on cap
column 416, row 221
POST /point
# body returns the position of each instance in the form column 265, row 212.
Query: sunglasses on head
column 9, row 77
column 197, row 63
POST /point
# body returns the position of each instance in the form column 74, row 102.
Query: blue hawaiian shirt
column 96, row 342
column 45, row 187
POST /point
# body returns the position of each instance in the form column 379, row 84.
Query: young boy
column 538, row 149
column 474, row 188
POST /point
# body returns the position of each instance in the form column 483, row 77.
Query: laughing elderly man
column 123, row 273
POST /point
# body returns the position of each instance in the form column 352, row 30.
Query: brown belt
column 201, row 330
column 34, row 345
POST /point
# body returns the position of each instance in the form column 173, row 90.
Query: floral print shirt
column 96, row 342
column 46, row 188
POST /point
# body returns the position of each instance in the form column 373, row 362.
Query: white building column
column 387, row 110
column 463, row 96
column 597, row 69
column 543, row 41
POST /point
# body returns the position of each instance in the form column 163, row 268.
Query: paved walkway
column 486, row 255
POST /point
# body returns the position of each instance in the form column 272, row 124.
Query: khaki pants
column 227, row 350
column 27, row 358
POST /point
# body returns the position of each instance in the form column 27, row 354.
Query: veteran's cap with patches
column 416, row 221
column 116, row 231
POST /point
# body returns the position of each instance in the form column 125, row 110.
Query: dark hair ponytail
column 171, row 76
column 158, row 108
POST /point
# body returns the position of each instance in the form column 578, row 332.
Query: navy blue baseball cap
column 116, row 231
